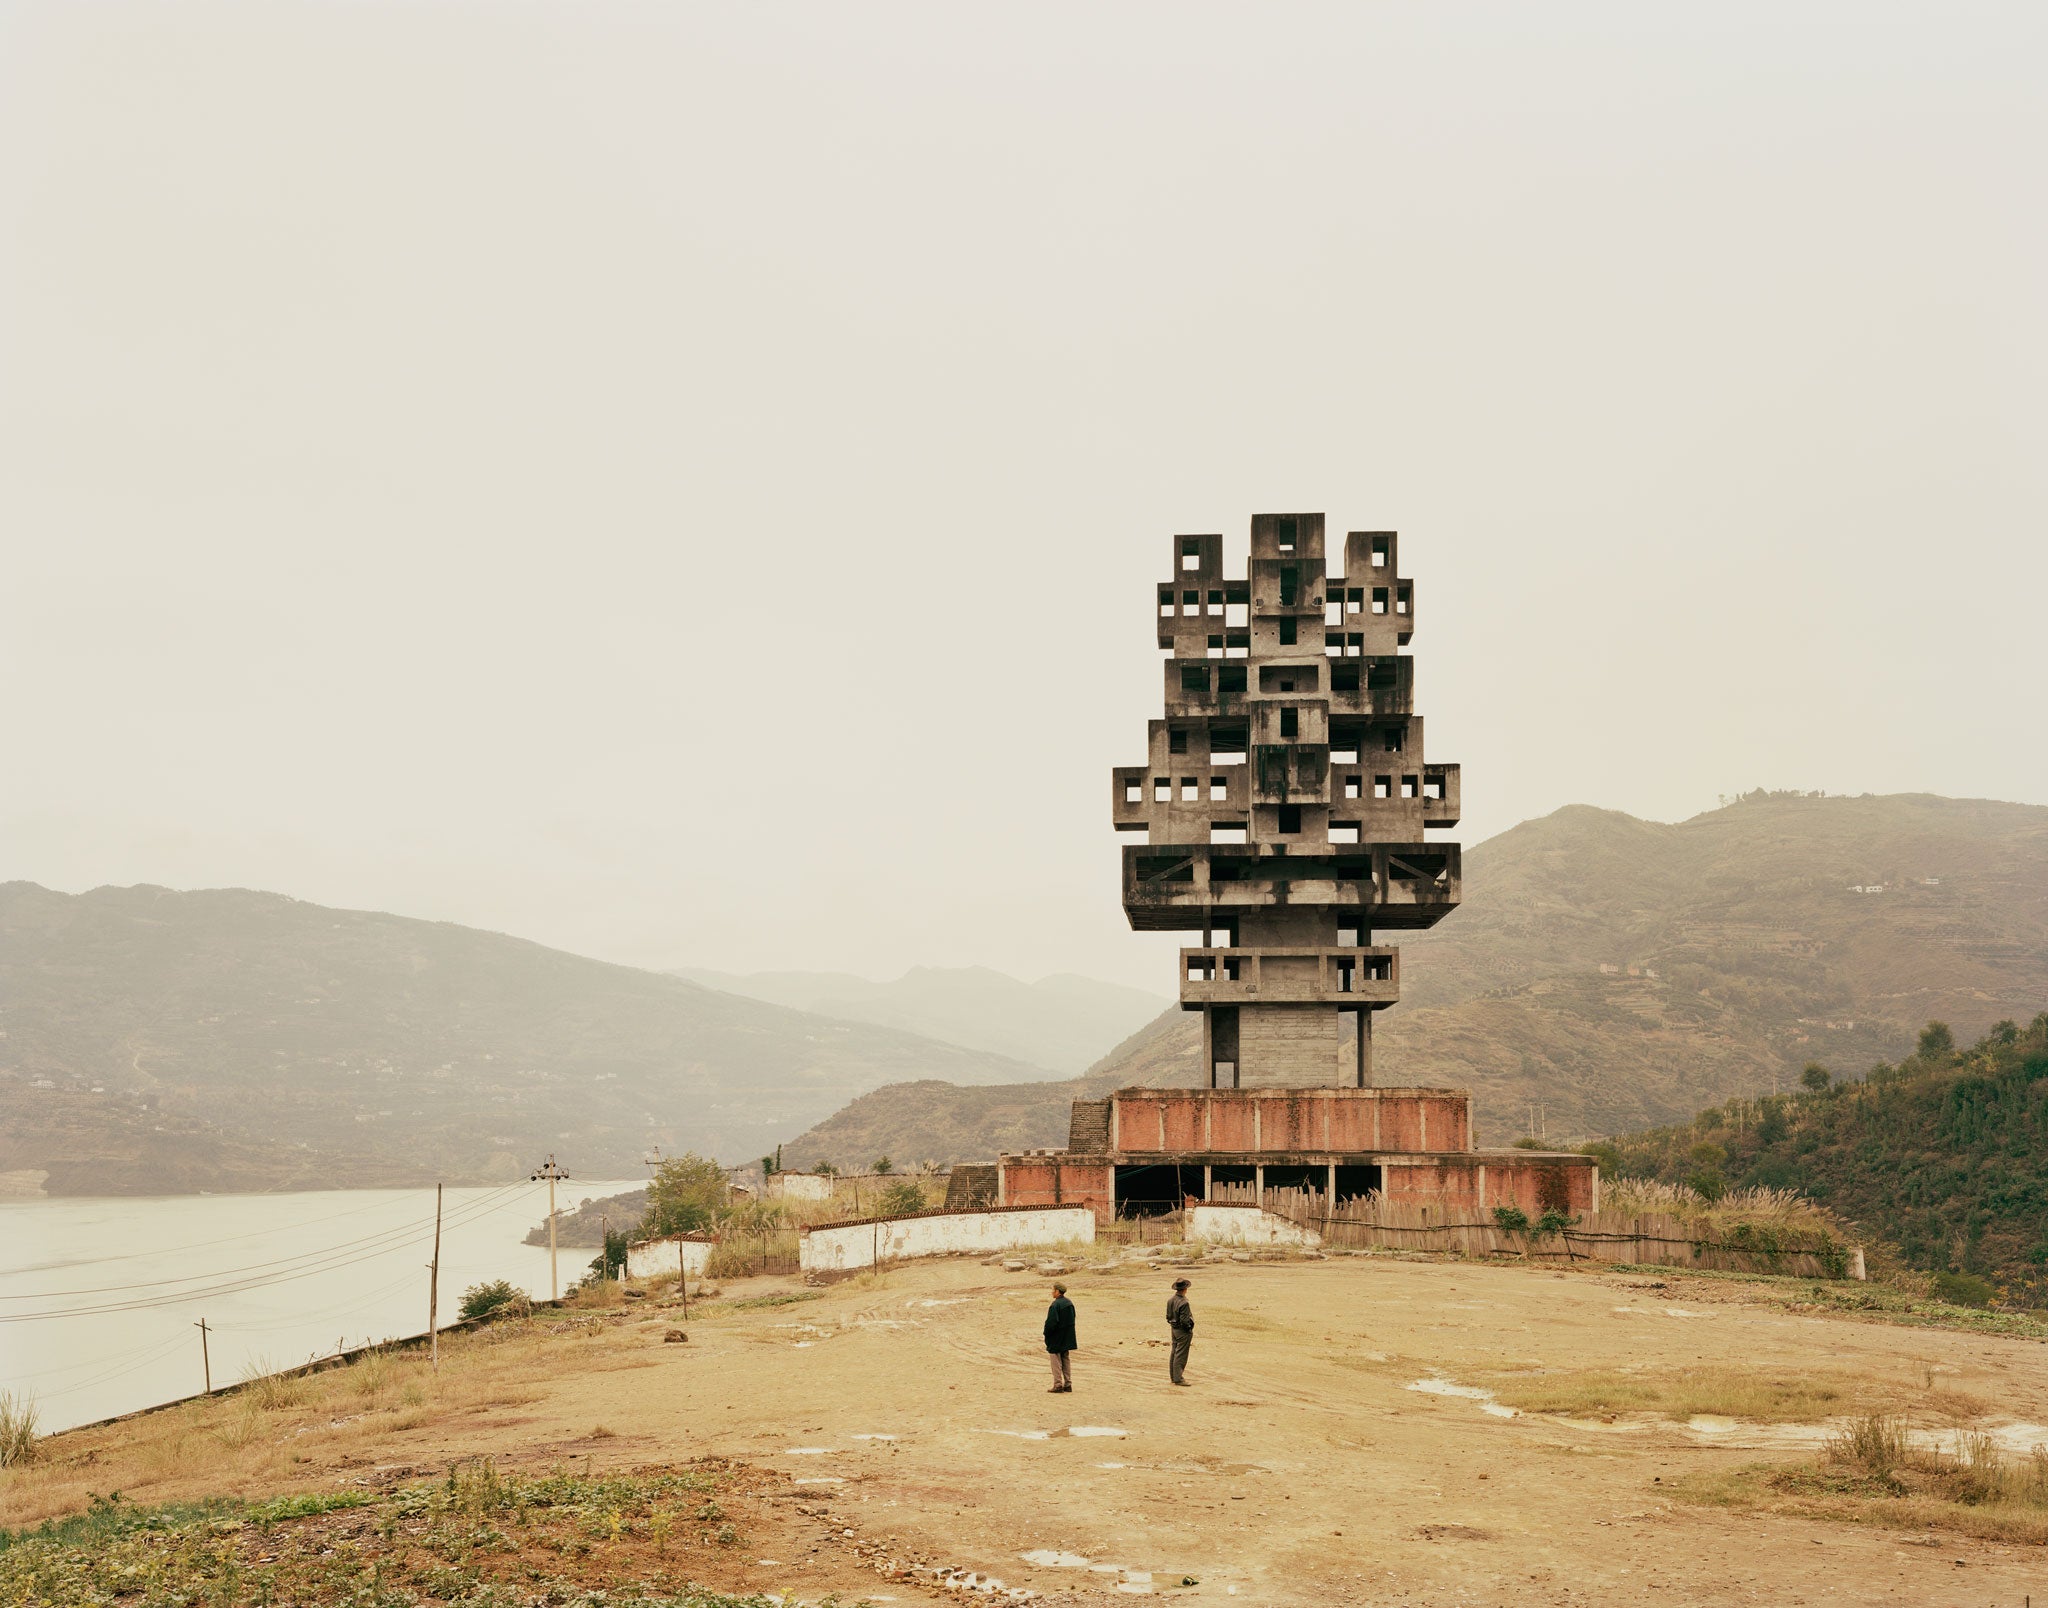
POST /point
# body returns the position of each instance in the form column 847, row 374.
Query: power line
column 200, row 1245
column 397, row 1235
column 238, row 1281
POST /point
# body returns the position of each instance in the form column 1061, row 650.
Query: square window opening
column 1194, row 680
column 1383, row 787
column 1290, row 723
column 1289, row 823
column 1287, row 633
column 1344, row 832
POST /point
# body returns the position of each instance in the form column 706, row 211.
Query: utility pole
column 434, row 1286
column 553, row 1175
column 205, row 1361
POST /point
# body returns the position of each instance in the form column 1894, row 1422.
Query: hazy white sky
column 686, row 483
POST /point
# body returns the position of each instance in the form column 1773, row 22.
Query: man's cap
column 1180, row 1284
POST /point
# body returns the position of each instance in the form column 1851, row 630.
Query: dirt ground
column 905, row 1418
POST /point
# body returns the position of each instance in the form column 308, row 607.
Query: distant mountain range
column 1606, row 974
column 1062, row 1023
column 153, row 1041
column 1612, row 974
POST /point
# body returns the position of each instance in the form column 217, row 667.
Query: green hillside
column 1944, row 1154
column 1617, row 973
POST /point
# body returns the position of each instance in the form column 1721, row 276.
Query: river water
column 99, row 1299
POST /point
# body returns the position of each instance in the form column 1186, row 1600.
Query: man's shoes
column 1181, row 1382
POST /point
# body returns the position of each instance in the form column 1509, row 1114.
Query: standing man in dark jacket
column 1180, row 1318
column 1059, row 1339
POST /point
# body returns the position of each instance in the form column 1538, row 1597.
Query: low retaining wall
column 670, row 1257
column 844, row 1247
column 1246, row 1225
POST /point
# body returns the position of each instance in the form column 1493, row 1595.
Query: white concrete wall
column 1246, row 1225
column 666, row 1258
column 840, row 1249
column 799, row 1186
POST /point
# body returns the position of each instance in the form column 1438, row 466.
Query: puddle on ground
column 957, row 1300
column 1438, row 1386
column 1740, row 1432
column 828, row 1479
column 1112, row 1465
column 1096, row 1429
column 1018, row 1434
column 874, row 1437
column 2019, row 1438
column 1045, row 1558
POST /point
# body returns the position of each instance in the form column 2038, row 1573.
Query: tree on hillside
column 1936, row 1041
column 1816, row 1077
column 686, row 1196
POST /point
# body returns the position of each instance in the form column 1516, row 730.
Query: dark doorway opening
column 1354, row 1181
column 1285, row 1175
column 1155, row 1189
column 1232, row 1184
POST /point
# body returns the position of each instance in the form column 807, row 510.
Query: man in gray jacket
column 1180, row 1318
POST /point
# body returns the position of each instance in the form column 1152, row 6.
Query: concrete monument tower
column 1285, row 801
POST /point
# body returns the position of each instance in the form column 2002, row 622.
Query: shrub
column 900, row 1200
column 685, row 1196
column 884, row 1165
column 1873, row 1447
column 1511, row 1219
column 18, row 1436
column 1964, row 1289
column 268, row 1390
column 1816, row 1077
column 1936, row 1041
column 481, row 1300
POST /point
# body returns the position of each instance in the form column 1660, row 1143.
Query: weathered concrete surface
column 670, row 1257
column 1246, row 1225
column 844, row 1247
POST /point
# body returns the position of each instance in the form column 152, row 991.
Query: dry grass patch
column 1760, row 1395
column 1875, row 1472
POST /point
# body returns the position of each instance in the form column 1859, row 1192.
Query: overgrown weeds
column 480, row 1536
column 18, row 1435
column 271, row 1390
column 1877, row 1470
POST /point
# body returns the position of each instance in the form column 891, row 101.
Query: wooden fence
column 1646, row 1238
